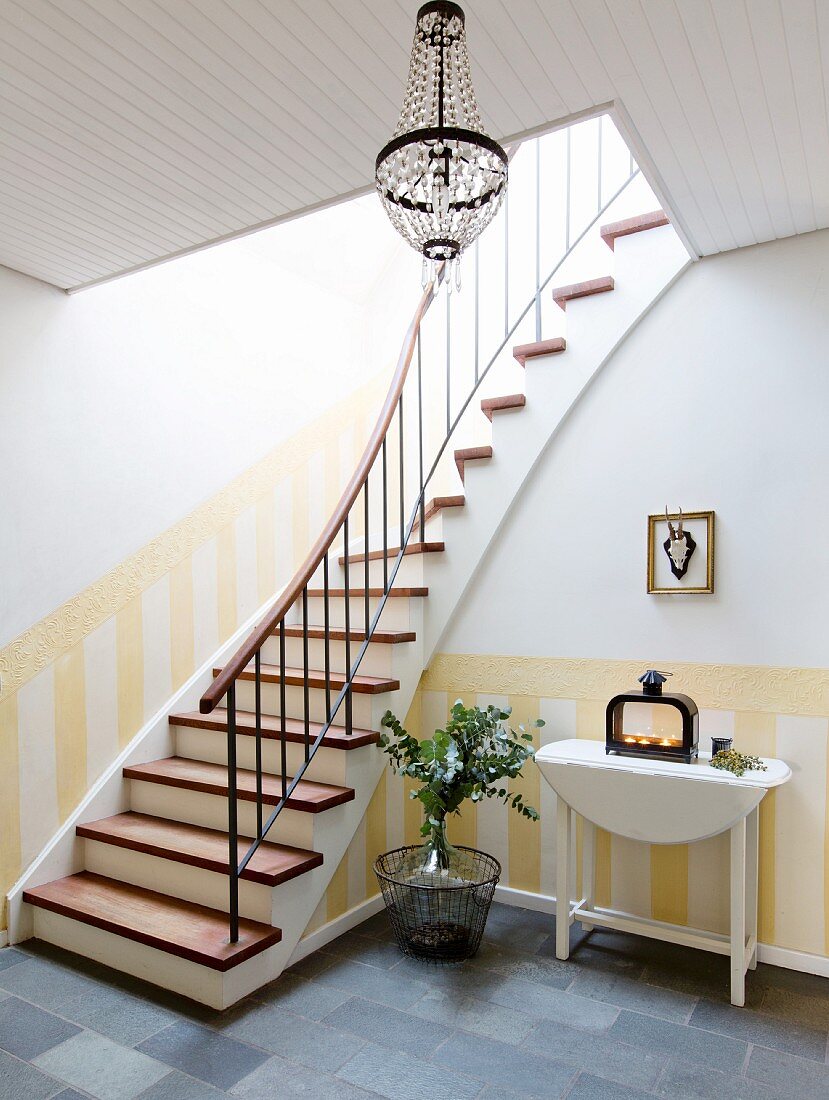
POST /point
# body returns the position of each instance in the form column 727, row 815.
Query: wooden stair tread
column 337, row 634
column 180, row 928
column 335, row 737
column 469, row 454
column 295, row 677
column 523, row 352
column 181, row 842
column 491, row 405
column 392, row 552
column 436, row 504
column 358, row 593
column 564, row 294
column 200, row 775
column 638, row 224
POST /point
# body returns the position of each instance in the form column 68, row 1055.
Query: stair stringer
column 647, row 265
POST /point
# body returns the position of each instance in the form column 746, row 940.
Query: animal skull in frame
column 679, row 546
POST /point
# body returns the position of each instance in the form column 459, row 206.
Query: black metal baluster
column 385, row 522
column 257, row 662
column 420, row 434
column 402, row 517
column 283, row 748
column 232, row 825
column 347, row 632
column 306, row 697
column 327, row 639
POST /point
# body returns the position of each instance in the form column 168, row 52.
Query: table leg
column 738, row 912
column 562, row 879
column 752, row 856
column 588, row 867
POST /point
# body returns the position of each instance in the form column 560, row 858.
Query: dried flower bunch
column 738, row 763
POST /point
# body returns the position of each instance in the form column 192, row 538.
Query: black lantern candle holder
column 653, row 723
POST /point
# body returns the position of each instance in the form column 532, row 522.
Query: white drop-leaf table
column 660, row 802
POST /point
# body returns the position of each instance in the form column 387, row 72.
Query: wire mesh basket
column 438, row 916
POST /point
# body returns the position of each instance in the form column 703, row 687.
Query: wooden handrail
column 260, row 633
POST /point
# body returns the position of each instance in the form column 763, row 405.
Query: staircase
column 206, row 882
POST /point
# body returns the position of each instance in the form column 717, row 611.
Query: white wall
column 718, row 400
column 124, row 406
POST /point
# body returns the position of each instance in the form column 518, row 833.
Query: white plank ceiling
column 132, row 130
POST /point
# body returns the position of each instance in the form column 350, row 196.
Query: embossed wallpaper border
column 39, row 646
column 725, row 687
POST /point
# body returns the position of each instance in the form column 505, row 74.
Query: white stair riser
column 292, row 826
column 364, row 707
column 179, row 880
column 200, row 983
column 328, row 765
column 409, row 575
column 377, row 661
column 395, row 615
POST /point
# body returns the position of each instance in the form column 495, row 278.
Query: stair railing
column 353, row 508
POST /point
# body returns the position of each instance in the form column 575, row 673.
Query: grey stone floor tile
column 45, row 983
column 352, row 945
column 778, row 977
column 388, row 987
column 455, row 1009
column 70, row 1094
column 388, row 1027
column 500, row 1064
column 515, row 938
column 401, row 1077
column 664, row 1037
column 588, row 953
column 10, row 956
column 177, row 1086
column 27, row 1031
column 20, row 1081
column 617, row 989
column 378, row 927
column 295, row 1038
column 763, row 1030
column 116, row 1014
column 799, row 1008
column 280, row 1080
column 684, row 1081
column 202, row 1053
column 310, row 966
column 553, row 1004
column 305, row 998
column 595, row 1054
column 802, row 1077
column 100, row 1067
column 588, row 1087
column 532, row 968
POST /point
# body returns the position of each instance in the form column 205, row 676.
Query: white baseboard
column 767, row 953
column 524, row 899
column 793, row 960
column 4, row 938
column 328, row 932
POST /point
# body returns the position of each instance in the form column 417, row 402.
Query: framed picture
column 681, row 553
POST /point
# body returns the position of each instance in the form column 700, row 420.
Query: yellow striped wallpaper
column 78, row 686
column 684, row 884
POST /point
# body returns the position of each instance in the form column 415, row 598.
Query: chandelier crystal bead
column 441, row 178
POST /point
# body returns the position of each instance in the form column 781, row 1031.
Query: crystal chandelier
column 441, row 178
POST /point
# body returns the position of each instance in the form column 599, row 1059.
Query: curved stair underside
column 152, row 898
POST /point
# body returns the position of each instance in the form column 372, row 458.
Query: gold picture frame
column 657, row 584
